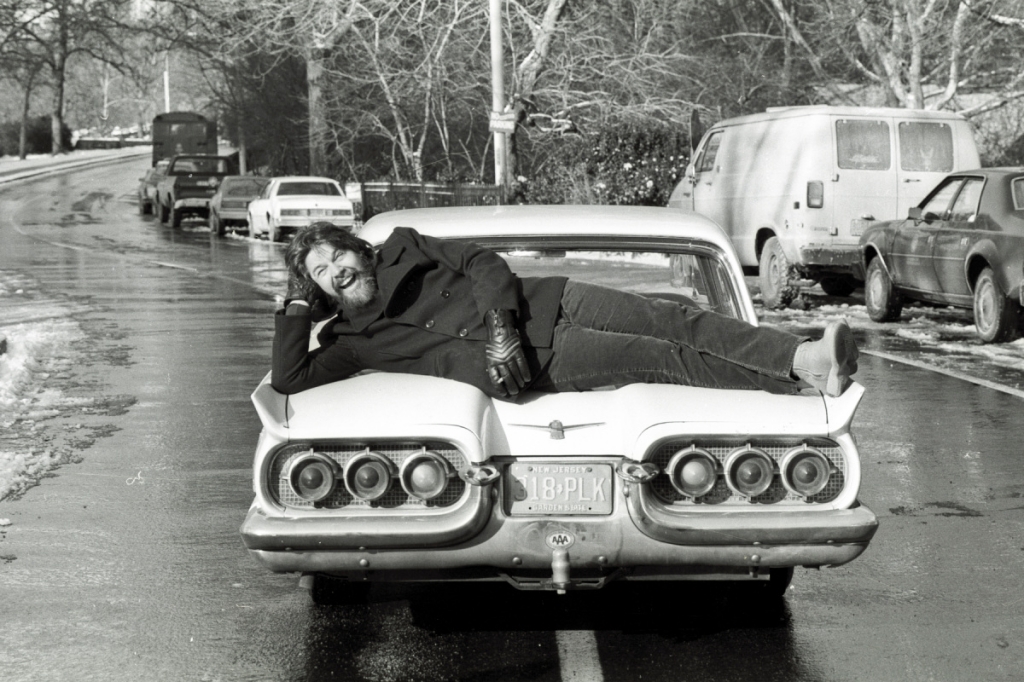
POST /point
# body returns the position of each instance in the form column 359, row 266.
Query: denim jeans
column 606, row 337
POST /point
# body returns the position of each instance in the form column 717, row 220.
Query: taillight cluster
column 369, row 475
column 749, row 471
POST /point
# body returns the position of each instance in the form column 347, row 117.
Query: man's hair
column 307, row 239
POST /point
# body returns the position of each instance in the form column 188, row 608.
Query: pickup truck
column 186, row 189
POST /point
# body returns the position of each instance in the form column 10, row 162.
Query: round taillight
column 368, row 476
column 425, row 475
column 313, row 476
column 693, row 472
column 805, row 471
column 749, row 471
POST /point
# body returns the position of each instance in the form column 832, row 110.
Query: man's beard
column 361, row 292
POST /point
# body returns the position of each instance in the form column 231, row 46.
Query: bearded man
column 442, row 308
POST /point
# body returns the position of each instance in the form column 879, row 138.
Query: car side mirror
column 915, row 213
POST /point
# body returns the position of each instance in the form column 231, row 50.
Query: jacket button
column 430, row 324
column 445, row 293
column 463, row 332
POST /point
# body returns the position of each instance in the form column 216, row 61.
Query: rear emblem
column 560, row 540
column 557, row 429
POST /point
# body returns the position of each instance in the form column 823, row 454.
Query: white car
column 288, row 203
column 397, row 477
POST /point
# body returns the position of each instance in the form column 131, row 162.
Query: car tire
column 995, row 315
column 777, row 288
column 143, row 206
column 216, row 224
column 273, row 233
column 175, row 217
column 883, row 302
column 839, row 285
column 165, row 213
column 328, row 591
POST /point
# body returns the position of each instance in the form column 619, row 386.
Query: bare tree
column 63, row 28
column 921, row 53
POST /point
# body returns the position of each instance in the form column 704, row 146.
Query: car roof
column 993, row 171
column 303, row 178
column 550, row 220
column 776, row 113
column 231, row 178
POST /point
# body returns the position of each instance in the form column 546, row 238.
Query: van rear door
column 926, row 155
column 863, row 179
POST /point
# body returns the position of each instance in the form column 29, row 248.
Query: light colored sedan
column 288, row 203
column 395, row 477
column 229, row 206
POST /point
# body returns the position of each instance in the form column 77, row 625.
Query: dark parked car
column 147, row 186
column 963, row 246
column 230, row 203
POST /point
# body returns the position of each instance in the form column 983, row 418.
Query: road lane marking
column 948, row 372
column 578, row 659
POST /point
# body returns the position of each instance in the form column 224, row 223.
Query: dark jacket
column 428, row 318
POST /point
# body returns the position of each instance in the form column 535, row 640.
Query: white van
column 794, row 187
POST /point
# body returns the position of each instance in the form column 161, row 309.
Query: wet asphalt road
column 127, row 565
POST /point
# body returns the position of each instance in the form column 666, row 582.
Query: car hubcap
column 986, row 306
column 875, row 290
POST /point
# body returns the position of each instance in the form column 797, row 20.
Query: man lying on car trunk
column 448, row 309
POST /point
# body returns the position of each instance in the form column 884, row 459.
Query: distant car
column 399, row 477
column 962, row 246
column 186, row 189
column 147, row 187
column 229, row 205
column 288, row 203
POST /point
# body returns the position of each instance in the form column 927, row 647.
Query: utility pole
column 167, row 80
column 501, row 123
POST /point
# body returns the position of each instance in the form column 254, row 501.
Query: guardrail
column 378, row 197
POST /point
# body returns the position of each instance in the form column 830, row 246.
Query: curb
column 60, row 167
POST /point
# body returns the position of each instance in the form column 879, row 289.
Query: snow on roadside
column 36, row 351
column 949, row 332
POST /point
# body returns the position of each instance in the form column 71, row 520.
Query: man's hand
column 506, row 363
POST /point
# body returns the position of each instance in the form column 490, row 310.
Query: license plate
column 551, row 488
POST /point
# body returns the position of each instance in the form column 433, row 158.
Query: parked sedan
column 963, row 246
column 399, row 477
column 229, row 206
column 288, row 203
column 147, row 187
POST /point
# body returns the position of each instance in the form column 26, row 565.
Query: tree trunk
column 23, row 133
column 57, row 115
column 317, row 116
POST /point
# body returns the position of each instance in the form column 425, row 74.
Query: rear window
column 1018, row 194
column 199, row 165
column 699, row 280
column 308, row 188
column 244, row 188
column 863, row 145
column 926, row 146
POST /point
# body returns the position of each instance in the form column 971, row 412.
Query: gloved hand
column 296, row 291
column 506, row 362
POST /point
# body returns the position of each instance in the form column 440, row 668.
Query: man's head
column 329, row 262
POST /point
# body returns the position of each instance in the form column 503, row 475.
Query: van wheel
column 838, row 286
column 777, row 288
column 884, row 303
column 995, row 315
